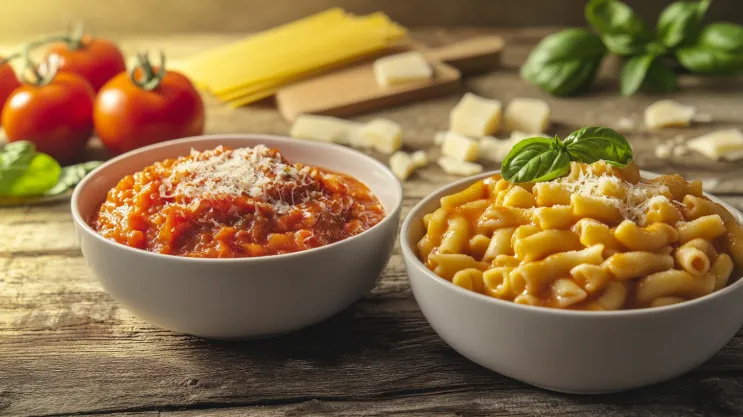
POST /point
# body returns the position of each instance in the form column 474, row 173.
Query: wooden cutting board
column 354, row 90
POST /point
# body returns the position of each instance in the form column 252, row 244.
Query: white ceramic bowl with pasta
column 584, row 352
column 240, row 298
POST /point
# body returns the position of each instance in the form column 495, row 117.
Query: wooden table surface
column 66, row 347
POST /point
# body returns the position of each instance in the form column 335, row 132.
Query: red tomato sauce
column 212, row 204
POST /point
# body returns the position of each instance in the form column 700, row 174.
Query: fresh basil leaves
column 541, row 159
column 681, row 21
column 592, row 144
column 536, row 159
column 622, row 32
column 71, row 175
column 718, row 50
column 566, row 63
column 634, row 72
column 24, row 172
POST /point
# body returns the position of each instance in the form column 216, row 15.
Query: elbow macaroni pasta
column 601, row 238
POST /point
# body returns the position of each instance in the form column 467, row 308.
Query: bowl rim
column 411, row 258
column 390, row 216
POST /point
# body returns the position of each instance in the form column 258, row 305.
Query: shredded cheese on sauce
column 256, row 172
column 634, row 201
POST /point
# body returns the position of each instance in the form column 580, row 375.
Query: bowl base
column 579, row 392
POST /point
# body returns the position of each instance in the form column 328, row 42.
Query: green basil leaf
column 660, row 77
column 634, row 72
column 535, row 159
column 71, row 176
column 15, row 158
column 592, row 144
column 622, row 32
column 40, row 175
column 718, row 50
column 565, row 62
column 681, row 21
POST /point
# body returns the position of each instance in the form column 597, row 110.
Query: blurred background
column 128, row 17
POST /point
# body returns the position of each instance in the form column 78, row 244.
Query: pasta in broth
column 600, row 238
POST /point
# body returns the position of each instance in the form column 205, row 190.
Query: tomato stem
column 41, row 79
column 33, row 45
column 150, row 79
column 75, row 39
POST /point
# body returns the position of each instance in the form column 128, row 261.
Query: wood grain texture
column 67, row 348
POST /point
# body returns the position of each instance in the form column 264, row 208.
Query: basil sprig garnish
column 565, row 63
column 541, row 159
column 25, row 172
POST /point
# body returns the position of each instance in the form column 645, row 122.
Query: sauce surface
column 234, row 203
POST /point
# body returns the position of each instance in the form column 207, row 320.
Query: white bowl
column 244, row 297
column 582, row 352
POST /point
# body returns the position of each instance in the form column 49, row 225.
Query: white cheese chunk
column 680, row 150
column 402, row 68
column 668, row 113
column 527, row 114
column 325, row 129
column 475, row 116
column 419, row 158
column 459, row 147
column 722, row 144
column 624, row 123
column 403, row 164
column 495, row 149
column 456, row 167
column 382, row 134
column 438, row 138
column 663, row 151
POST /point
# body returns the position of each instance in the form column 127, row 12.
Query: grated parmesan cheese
column 256, row 172
column 632, row 203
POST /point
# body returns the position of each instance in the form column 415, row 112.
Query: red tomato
column 127, row 116
column 57, row 117
column 97, row 60
column 8, row 82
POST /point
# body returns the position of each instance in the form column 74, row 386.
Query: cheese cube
column 663, row 151
column 668, row 113
column 419, row 158
column 402, row 68
column 403, row 164
column 324, row 129
column 383, row 135
column 527, row 114
column 475, row 116
column 459, row 147
column 456, row 167
column 495, row 149
column 438, row 138
column 722, row 144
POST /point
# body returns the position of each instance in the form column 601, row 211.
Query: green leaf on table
column 25, row 172
column 40, row 175
column 718, row 50
column 633, row 73
column 620, row 29
column 535, row 159
column 592, row 144
column 71, row 176
column 681, row 21
column 565, row 62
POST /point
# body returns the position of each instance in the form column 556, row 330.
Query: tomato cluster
column 82, row 86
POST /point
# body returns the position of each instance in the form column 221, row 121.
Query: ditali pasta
column 600, row 238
